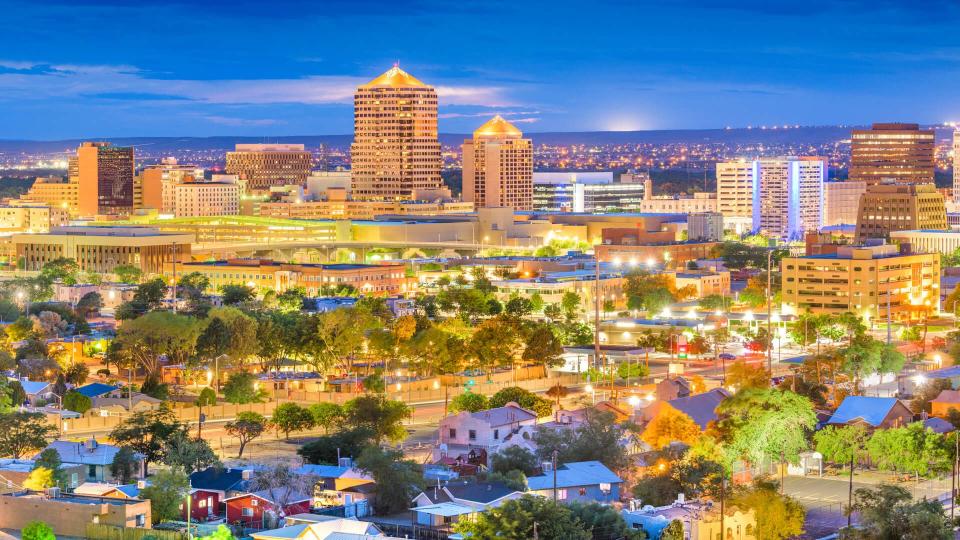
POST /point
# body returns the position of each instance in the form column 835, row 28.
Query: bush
column 76, row 402
column 524, row 398
column 37, row 530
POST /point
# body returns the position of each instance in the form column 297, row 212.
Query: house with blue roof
column 874, row 412
column 37, row 391
column 96, row 389
column 581, row 481
column 211, row 486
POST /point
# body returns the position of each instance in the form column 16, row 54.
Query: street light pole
column 769, row 311
column 596, row 310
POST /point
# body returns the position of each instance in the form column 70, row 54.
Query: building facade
column 894, row 152
column 198, row 199
column 700, row 202
column 55, row 191
column 928, row 241
column 395, row 152
column 735, row 188
column 788, row 194
column 956, row 166
column 886, row 208
column 498, row 166
column 316, row 279
column 101, row 249
column 591, row 192
column 348, row 209
column 259, row 166
column 157, row 184
column 104, row 174
column 866, row 280
column 705, row 226
column 840, row 202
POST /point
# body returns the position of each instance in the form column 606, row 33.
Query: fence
column 189, row 413
column 96, row 531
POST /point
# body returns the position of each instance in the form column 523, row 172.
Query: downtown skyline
column 168, row 69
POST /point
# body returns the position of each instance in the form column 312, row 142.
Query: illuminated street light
column 634, row 401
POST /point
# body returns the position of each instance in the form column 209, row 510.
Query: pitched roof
column 580, row 473
column 478, row 492
column 93, row 390
column 98, row 489
column 702, row 408
column 506, row 415
column 938, row 425
column 34, row 387
column 497, row 127
column 266, row 495
column 947, row 396
column 395, row 78
column 326, row 529
column 218, row 479
column 868, row 409
column 78, row 452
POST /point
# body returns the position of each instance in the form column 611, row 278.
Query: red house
column 256, row 509
column 210, row 487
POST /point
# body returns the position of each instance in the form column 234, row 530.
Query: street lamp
column 634, row 401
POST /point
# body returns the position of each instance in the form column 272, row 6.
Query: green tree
column 382, row 416
column 77, row 373
column 37, row 530
column 124, row 466
column 741, row 376
column 148, row 297
column 516, row 520
column 246, row 427
column 518, row 306
column 326, row 415
column 598, row 438
column 766, row 423
column 50, row 459
column 845, row 445
column 23, row 432
column 778, row 517
column 241, row 333
column 89, row 304
column 221, row 533
column 888, row 511
column 523, row 398
column 398, row 480
column 514, row 458
column 496, row 343
column 147, row 432
column 912, row 448
column 543, row 348
column 327, row 449
column 290, row 417
column 77, row 402
column 189, row 454
column 39, row 479
column 603, row 521
column 63, row 269
column 128, row 273
column 470, row 402
column 673, row 531
column 166, row 492
column 18, row 396
column 236, row 294
column 156, row 336
column 241, row 388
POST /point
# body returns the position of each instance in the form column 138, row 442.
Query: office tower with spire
column 498, row 166
column 892, row 154
column 395, row 153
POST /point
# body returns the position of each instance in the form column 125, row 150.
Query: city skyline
column 167, row 69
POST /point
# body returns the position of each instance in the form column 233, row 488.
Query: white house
column 482, row 431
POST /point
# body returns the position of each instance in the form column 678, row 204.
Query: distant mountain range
column 807, row 135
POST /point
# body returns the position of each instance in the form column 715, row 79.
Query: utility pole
column 554, row 476
column 769, row 311
column 953, row 474
column 174, row 277
column 596, row 310
column 888, row 314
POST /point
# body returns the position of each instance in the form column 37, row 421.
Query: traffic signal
column 682, row 350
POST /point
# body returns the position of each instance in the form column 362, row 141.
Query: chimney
column 547, row 466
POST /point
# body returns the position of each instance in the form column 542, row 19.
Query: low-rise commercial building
column 928, row 241
column 70, row 515
column 867, row 280
column 101, row 249
column 592, row 192
column 343, row 208
column 702, row 282
column 26, row 217
column 55, row 191
column 263, row 274
column 551, row 286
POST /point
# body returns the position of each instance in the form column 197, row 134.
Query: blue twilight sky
column 78, row 68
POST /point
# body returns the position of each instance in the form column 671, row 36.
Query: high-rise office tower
column 395, row 152
column 892, row 153
column 259, row 166
column 956, row 166
column 782, row 196
column 887, row 208
column 104, row 177
column 498, row 166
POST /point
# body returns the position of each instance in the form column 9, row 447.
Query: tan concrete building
column 259, row 166
column 101, row 249
column 197, row 199
column 885, row 208
column 395, row 152
column 55, row 191
column 342, row 208
column 735, row 188
column 704, row 282
column 863, row 280
column 699, row 203
column 928, row 241
column 157, row 184
column 894, row 152
column 69, row 515
column 25, row 217
column 104, row 174
column 840, row 202
column 498, row 166
column 269, row 275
